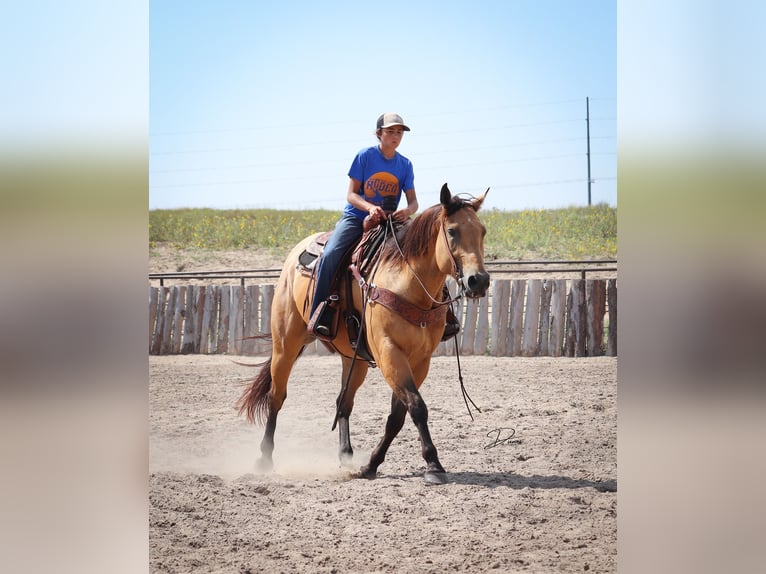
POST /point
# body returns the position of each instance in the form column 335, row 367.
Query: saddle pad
column 308, row 257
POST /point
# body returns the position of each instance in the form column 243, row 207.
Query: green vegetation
column 553, row 234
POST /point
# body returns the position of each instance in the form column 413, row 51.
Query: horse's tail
column 255, row 402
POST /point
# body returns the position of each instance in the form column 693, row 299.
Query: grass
column 551, row 234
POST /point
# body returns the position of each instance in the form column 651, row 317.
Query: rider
column 377, row 178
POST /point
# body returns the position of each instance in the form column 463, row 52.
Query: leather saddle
column 362, row 256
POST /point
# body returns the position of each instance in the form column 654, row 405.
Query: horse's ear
column 476, row 202
column 446, row 195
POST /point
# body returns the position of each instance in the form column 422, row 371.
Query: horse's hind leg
column 345, row 404
column 288, row 340
column 281, row 366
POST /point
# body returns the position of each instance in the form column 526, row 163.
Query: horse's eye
column 451, row 232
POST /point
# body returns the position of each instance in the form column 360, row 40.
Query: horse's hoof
column 365, row 472
column 346, row 459
column 432, row 477
column 264, row 465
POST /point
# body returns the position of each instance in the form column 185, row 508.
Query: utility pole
column 587, row 127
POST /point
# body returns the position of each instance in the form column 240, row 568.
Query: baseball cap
column 391, row 119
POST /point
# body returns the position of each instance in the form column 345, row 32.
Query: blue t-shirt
column 383, row 180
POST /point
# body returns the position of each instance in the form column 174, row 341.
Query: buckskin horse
column 403, row 310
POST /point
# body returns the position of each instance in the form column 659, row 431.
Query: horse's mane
column 415, row 237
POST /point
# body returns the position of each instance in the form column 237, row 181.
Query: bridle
column 457, row 271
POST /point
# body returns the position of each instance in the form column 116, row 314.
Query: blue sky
column 265, row 104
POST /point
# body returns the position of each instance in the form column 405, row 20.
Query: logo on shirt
column 380, row 185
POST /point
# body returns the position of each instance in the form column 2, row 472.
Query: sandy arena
column 532, row 480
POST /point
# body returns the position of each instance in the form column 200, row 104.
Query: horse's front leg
column 394, row 424
column 345, row 404
column 435, row 473
column 408, row 399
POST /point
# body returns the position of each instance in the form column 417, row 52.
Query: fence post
column 167, row 324
column 155, row 312
column 208, row 309
column 252, row 295
column 518, row 292
column 223, row 320
column 611, row 295
column 545, row 319
column 236, row 319
column 468, row 335
column 482, row 328
column 595, row 297
column 558, row 320
column 576, row 319
column 499, row 329
column 178, row 318
column 529, row 344
column 267, row 296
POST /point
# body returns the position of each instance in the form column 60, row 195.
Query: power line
column 365, row 120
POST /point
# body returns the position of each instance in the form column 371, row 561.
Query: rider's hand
column 377, row 214
column 400, row 215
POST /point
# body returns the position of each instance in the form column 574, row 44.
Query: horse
column 403, row 314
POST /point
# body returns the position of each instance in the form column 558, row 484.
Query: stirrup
column 322, row 323
column 450, row 330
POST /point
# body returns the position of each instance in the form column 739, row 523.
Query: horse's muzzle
column 476, row 284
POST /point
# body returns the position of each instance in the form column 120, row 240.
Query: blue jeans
column 347, row 231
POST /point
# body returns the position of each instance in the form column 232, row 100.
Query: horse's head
column 463, row 245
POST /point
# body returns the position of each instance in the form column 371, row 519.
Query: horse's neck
column 420, row 281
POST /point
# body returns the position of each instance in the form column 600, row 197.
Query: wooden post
column 252, row 295
column 517, row 317
column 569, row 341
column 499, row 329
column 153, row 299
column 611, row 295
column 595, row 300
column 178, row 318
column 215, row 301
column 529, row 343
column 199, row 312
column 576, row 327
column 468, row 335
column 167, row 325
column 187, row 342
column 558, row 316
column 236, row 319
column 267, row 296
column 207, row 309
column 545, row 319
column 161, row 303
column 482, row 328
column 214, row 296
column 223, row 320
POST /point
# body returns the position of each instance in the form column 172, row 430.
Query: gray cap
column 391, row 119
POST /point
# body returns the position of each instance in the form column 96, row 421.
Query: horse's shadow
column 535, row 481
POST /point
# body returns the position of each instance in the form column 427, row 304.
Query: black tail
column 255, row 402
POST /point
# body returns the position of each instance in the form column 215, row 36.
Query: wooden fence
column 519, row 317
